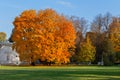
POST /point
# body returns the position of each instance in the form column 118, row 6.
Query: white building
column 7, row 55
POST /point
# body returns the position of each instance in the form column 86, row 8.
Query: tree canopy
column 44, row 35
column 2, row 36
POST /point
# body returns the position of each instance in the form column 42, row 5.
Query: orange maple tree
column 43, row 35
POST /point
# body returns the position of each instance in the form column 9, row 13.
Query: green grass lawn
column 59, row 73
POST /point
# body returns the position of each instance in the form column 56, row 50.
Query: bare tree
column 80, row 24
column 107, row 20
column 96, row 25
column 100, row 26
column 101, row 23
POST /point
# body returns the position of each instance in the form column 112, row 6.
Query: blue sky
column 88, row 9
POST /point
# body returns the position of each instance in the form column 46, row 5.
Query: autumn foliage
column 43, row 35
column 2, row 36
column 87, row 51
column 115, row 33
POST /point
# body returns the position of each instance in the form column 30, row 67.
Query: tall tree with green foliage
column 108, row 52
column 87, row 52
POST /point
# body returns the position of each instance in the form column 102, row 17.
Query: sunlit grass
column 59, row 73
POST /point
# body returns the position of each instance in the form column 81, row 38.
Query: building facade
column 7, row 55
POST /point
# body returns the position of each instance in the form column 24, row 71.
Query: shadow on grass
column 60, row 74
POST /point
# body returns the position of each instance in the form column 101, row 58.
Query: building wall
column 8, row 56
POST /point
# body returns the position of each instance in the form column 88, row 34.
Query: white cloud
column 65, row 3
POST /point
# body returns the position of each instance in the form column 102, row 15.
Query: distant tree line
column 103, row 36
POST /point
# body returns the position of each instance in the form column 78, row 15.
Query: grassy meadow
column 59, row 73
